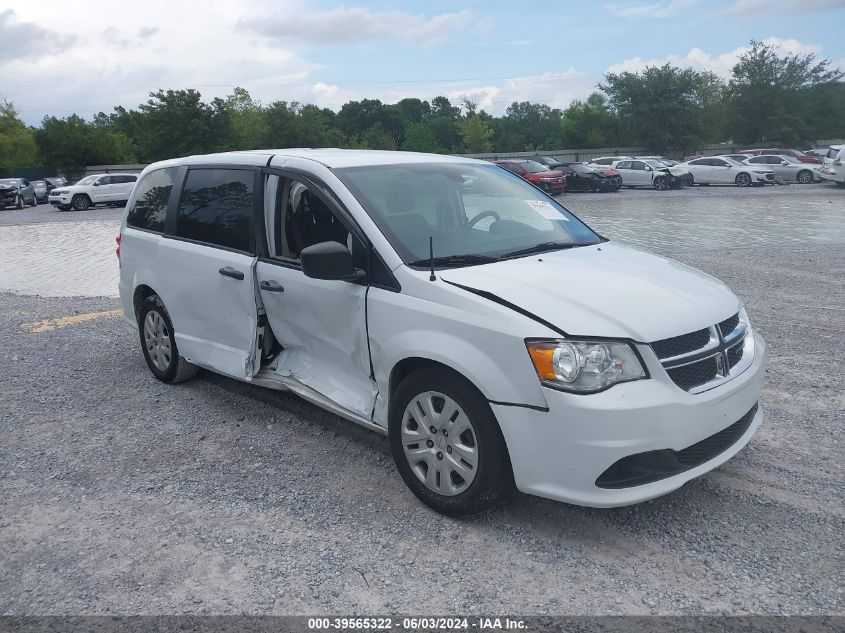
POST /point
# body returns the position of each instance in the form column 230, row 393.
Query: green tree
column 72, row 143
column 477, row 135
column 772, row 96
column 527, row 126
column 588, row 124
column 249, row 126
column 17, row 142
column 420, row 137
column 661, row 107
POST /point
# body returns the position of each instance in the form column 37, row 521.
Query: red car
column 535, row 173
column 804, row 158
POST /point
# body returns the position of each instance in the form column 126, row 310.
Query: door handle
column 271, row 286
column 228, row 271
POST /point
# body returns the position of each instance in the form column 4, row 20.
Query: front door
column 640, row 173
column 102, row 190
column 209, row 290
column 321, row 325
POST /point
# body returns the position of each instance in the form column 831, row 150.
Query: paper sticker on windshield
column 546, row 210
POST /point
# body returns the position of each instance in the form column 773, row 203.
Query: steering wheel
column 483, row 215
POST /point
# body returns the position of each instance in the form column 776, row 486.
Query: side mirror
column 784, row 162
column 330, row 261
column 96, row 183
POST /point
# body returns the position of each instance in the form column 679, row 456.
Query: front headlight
column 584, row 366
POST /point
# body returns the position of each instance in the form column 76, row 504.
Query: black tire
column 80, row 202
column 493, row 482
column 19, row 203
column 804, row 177
column 690, row 180
column 743, row 180
column 179, row 369
column 661, row 183
column 34, row 202
column 64, row 207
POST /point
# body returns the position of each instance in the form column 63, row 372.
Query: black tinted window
column 216, row 207
column 150, row 206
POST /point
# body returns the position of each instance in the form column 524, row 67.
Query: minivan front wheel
column 159, row 345
column 447, row 444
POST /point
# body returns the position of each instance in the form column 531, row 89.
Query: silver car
column 16, row 192
column 788, row 168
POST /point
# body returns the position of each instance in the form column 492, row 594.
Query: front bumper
column 559, row 454
column 60, row 201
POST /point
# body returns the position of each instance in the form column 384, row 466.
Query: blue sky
column 54, row 60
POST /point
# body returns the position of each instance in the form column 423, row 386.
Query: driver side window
column 299, row 217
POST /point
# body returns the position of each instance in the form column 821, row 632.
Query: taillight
column 117, row 249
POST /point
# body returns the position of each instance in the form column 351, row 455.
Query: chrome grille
column 706, row 358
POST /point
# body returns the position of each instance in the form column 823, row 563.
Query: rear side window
column 216, row 207
column 150, row 206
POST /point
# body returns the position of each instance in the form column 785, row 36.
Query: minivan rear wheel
column 447, row 444
column 159, row 345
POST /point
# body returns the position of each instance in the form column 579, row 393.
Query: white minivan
column 496, row 339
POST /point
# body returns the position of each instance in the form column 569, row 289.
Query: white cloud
column 343, row 25
column 660, row 9
column 20, row 39
column 721, row 63
column 324, row 90
column 753, row 7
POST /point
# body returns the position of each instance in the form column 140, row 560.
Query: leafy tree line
column 790, row 99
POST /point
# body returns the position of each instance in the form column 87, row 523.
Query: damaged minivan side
column 496, row 339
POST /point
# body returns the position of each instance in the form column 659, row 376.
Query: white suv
column 110, row 189
column 495, row 338
column 833, row 167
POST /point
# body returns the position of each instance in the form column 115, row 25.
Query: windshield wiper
column 542, row 247
column 467, row 259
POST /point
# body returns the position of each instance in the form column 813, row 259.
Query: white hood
column 607, row 290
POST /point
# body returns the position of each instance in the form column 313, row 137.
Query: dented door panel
column 321, row 326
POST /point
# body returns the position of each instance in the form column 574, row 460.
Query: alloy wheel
column 157, row 340
column 743, row 180
column 805, row 177
column 440, row 443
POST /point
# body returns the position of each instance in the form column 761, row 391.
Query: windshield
column 533, row 166
column 732, row 161
column 87, row 180
column 467, row 209
column 657, row 164
column 581, row 169
column 790, row 159
column 833, row 152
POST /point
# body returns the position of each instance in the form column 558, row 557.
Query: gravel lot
column 122, row 495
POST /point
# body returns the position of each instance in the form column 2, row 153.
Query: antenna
column 431, row 277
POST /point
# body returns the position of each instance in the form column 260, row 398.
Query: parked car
column 714, row 170
column 524, row 351
column 535, row 173
column 666, row 161
column 605, row 161
column 819, row 152
column 814, row 160
column 17, row 192
column 650, row 173
column 42, row 189
column 109, row 189
column 788, row 168
column 580, row 177
column 552, row 163
column 833, row 168
column 740, row 158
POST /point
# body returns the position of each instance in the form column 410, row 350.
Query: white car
column 720, row 170
column 833, row 167
column 650, row 173
column 786, row 167
column 111, row 189
column 605, row 161
column 495, row 339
